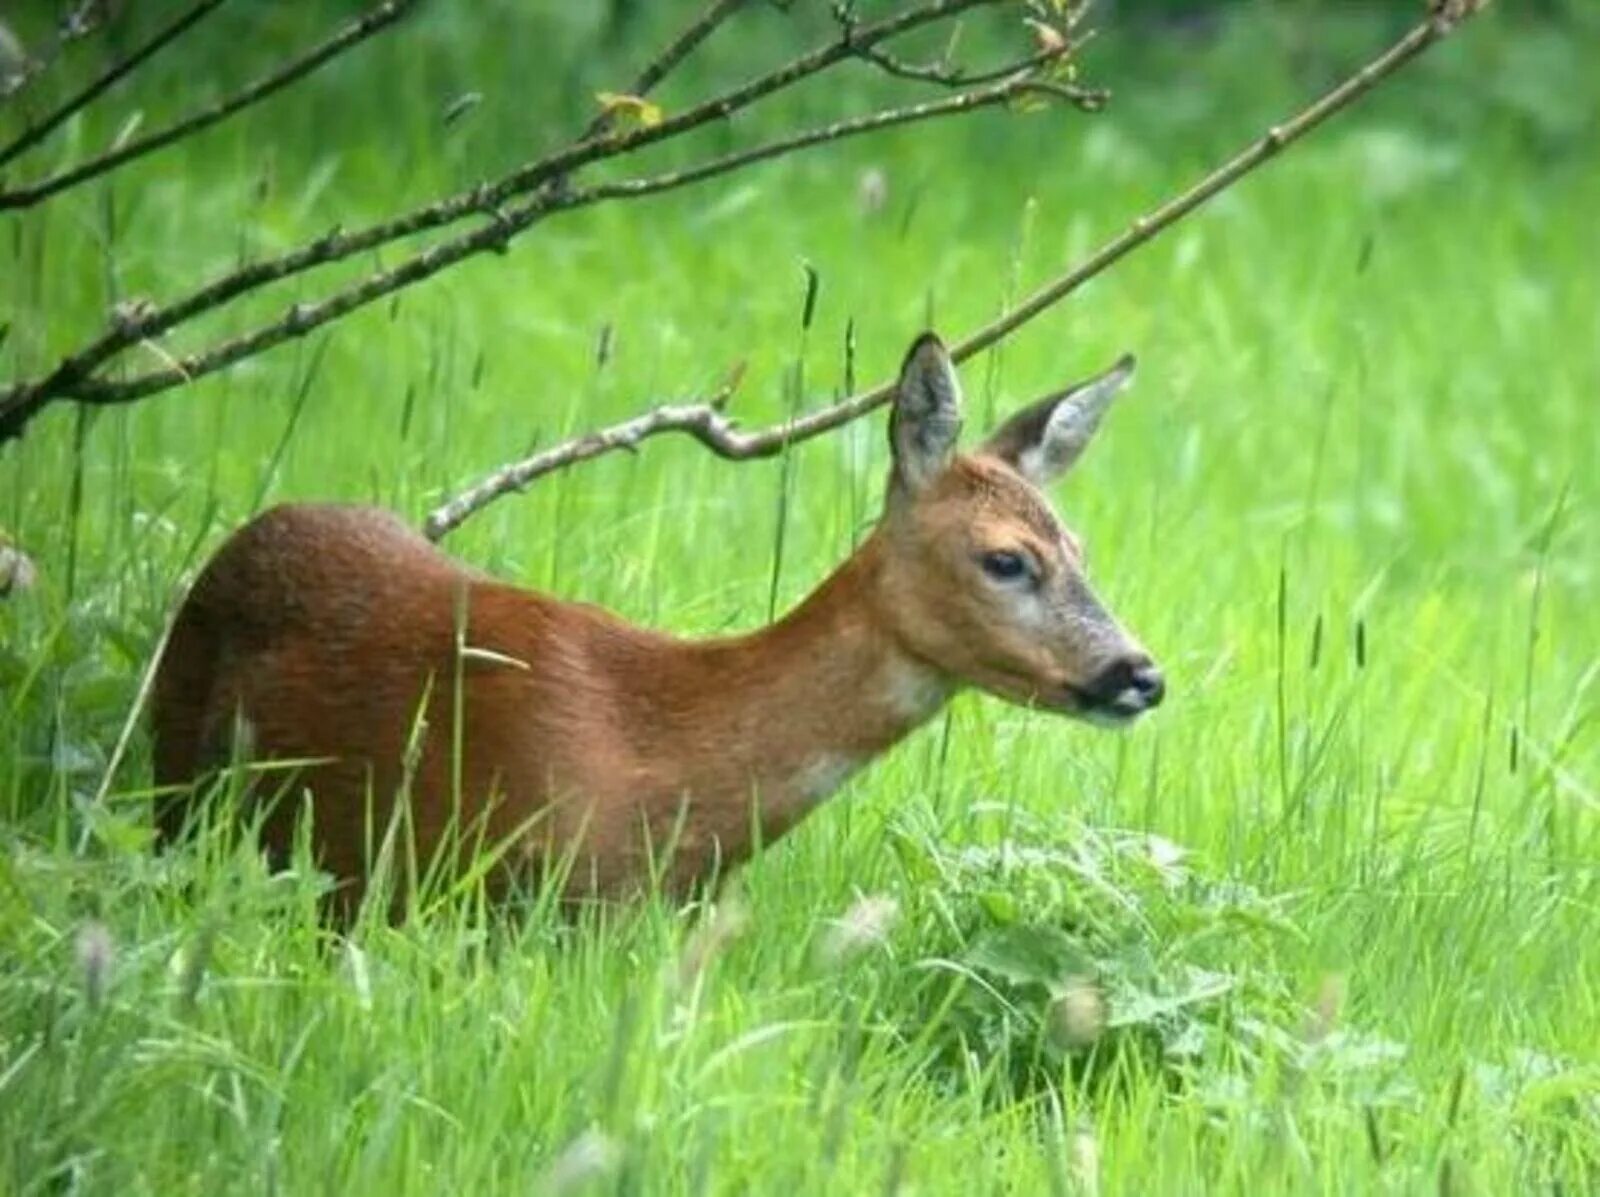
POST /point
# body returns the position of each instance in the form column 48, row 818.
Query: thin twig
column 944, row 72
column 363, row 27
column 36, row 133
column 704, row 421
column 663, row 64
column 1086, row 99
column 707, row 423
column 302, row 318
column 72, row 376
column 949, row 76
column 496, row 235
column 88, row 18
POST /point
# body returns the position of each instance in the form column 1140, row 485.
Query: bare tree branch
column 1086, row 99
column 947, row 75
column 1059, row 48
column 138, row 325
column 704, row 421
column 73, row 377
column 496, row 235
column 89, row 17
column 363, row 27
column 708, row 424
column 37, row 132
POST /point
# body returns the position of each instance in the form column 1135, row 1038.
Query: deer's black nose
column 1149, row 685
column 1129, row 685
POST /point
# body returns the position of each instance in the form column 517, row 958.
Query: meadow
column 1331, row 910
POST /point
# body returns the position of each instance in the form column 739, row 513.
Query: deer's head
column 982, row 579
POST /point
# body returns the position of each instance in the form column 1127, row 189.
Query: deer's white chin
column 1119, row 712
column 1109, row 716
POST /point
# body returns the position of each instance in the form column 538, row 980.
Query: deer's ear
column 1043, row 440
column 925, row 423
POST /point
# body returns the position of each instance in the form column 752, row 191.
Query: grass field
column 1353, row 505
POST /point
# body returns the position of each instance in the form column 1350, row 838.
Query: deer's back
column 327, row 639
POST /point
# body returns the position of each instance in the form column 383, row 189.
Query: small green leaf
column 1028, row 954
column 999, row 905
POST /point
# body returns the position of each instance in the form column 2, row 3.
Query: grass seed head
column 1077, row 1015
column 355, row 963
column 1084, row 1154
column 865, row 925
column 727, row 922
column 96, row 955
column 588, row 1157
column 872, row 190
column 17, row 571
column 1323, row 1015
column 14, row 61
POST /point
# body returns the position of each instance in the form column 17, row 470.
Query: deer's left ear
column 925, row 423
column 1043, row 440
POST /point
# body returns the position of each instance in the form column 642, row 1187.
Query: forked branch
column 39, row 130
column 357, row 31
column 707, row 422
column 506, row 206
column 1056, row 46
column 19, row 67
column 503, row 225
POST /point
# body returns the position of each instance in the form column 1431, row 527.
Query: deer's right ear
column 1043, row 440
column 925, row 423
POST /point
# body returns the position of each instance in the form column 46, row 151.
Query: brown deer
column 338, row 637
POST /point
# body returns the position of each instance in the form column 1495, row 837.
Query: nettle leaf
column 74, row 759
column 1029, row 954
column 1188, row 1042
column 1349, row 1052
column 1137, row 1006
column 1058, row 917
column 629, row 111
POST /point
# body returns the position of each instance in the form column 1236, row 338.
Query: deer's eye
column 1005, row 566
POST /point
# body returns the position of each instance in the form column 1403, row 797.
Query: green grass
column 1351, row 505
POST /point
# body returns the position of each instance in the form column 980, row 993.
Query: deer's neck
column 785, row 714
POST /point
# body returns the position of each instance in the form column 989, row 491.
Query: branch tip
column 713, row 431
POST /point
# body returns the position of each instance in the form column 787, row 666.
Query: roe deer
column 338, row 637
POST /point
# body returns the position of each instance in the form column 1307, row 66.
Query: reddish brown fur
column 323, row 626
column 321, row 632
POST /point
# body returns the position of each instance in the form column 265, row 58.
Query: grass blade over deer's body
column 340, row 637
